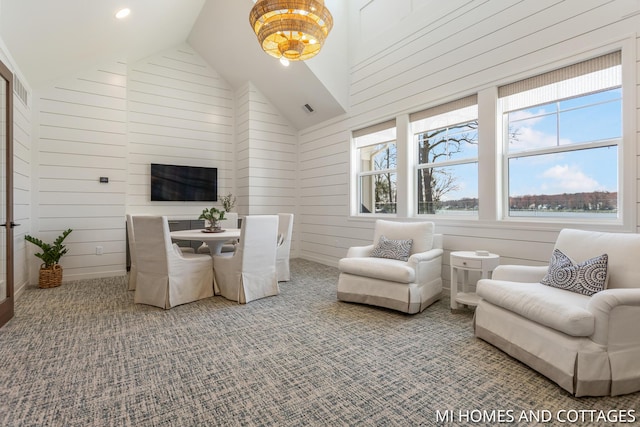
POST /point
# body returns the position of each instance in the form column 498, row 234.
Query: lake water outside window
column 562, row 143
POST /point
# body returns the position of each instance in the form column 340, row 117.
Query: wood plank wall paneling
column 243, row 115
column 174, row 108
column 472, row 47
column 179, row 112
column 22, row 131
column 267, row 158
column 115, row 121
column 82, row 136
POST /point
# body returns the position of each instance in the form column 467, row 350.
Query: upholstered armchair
column 574, row 321
column 401, row 270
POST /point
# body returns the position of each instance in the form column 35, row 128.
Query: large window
column 446, row 144
column 562, row 134
column 376, row 155
column 554, row 148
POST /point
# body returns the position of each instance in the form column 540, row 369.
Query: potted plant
column 50, row 271
column 228, row 202
column 212, row 215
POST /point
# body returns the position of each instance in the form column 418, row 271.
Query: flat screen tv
column 171, row 183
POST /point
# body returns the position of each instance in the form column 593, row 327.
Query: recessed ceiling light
column 123, row 13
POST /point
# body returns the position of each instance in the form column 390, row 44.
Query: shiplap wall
column 471, row 47
column 82, row 135
column 267, row 157
column 180, row 112
column 115, row 121
column 21, row 189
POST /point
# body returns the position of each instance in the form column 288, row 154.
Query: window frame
column 491, row 170
column 359, row 174
column 444, row 116
column 624, row 219
column 440, row 164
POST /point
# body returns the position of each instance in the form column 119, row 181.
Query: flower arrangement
column 228, row 202
column 212, row 215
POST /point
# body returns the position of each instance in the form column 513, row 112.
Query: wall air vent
column 308, row 108
column 20, row 91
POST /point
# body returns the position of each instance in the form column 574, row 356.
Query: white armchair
column 370, row 275
column 249, row 273
column 588, row 344
column 166, row 276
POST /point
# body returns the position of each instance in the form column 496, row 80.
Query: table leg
column 454, row 287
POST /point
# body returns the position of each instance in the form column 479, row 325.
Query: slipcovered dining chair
column 131, row 240
column 401, row 270
column 133, row 268
column 166, row 276
column 285, row 229
column 249, row 273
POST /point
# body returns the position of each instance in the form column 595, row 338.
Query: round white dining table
column 215, row 241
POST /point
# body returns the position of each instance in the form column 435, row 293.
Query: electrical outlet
column 99, row 250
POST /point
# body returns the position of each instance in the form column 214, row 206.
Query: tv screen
column 183, row 183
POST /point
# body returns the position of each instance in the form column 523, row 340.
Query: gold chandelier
column 291, row 29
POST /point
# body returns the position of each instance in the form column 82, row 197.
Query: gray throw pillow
column 392, row 249
column 586, row 278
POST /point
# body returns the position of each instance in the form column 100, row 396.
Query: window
column 562, row 134
column 446, row 144
column 375, row 150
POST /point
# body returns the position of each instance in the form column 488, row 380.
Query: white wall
column 114, row 121
column 173, row 107
column 427, row 59
column 22, row 130
column 179, row 112
column 81, row 136
column 267, row 157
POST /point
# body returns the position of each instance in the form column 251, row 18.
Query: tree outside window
column 446, row 139
column 377, row 178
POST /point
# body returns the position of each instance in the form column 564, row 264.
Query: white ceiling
column 224, row 38
column 52, row 39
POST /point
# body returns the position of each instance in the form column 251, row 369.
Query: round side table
column 467, row 261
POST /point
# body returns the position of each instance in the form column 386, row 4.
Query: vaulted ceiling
column 54, row 39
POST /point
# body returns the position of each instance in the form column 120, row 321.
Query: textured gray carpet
column 84, row 354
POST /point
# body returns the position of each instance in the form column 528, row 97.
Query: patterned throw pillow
column 392, row 249
column 586, row 278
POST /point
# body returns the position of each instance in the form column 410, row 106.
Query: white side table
column 469, row 261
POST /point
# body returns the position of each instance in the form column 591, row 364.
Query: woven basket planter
column 50, row 277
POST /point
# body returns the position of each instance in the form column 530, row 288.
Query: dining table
column 215, row 240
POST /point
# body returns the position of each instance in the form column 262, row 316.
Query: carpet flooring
column 84, row 354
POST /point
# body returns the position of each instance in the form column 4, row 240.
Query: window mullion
column 565, row 148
